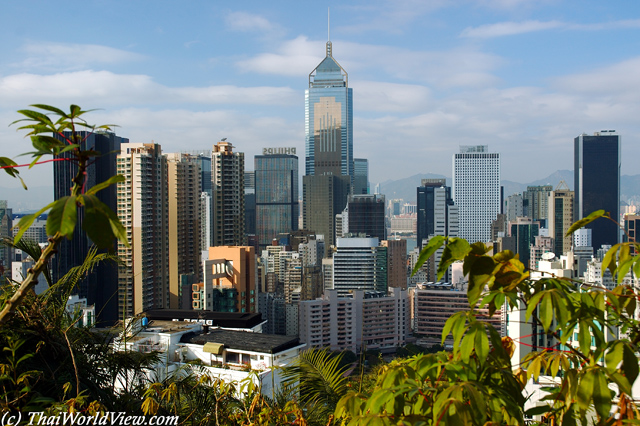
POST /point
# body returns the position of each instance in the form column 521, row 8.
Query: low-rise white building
column 230, row 355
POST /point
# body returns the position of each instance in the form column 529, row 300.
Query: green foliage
column 477, row 384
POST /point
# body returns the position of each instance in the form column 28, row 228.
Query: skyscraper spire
column 329, row 53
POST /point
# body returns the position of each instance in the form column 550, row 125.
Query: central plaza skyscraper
column 476, row 191
column 329, row 165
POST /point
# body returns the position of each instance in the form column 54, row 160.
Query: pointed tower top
column 562, row 186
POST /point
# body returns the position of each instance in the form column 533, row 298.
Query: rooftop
column 242, row 340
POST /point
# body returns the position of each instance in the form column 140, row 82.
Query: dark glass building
column 597, row 183
column 101, row 287
column 276, row 194
column 365, row 215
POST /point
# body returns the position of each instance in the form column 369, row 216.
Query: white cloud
column 390, row 97
column 509, row 28
column 64, row 56
column 107, row 88
column 459, row 67
column 243, row 21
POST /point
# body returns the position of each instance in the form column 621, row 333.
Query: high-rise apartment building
column 228, row 208
column 101, row 287
column 184, row 203
column 361, row 176
column 560, row 218
column 597, row 183
column 142, row 207
column 631, row 227
column 476, row 191
column 229, row 281
column 276, row 195
column 6, row 252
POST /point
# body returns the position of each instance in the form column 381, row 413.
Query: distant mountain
column 406, row 188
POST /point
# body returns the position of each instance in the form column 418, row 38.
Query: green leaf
column 585, row 221
column 49, row 108
column 427, row 251
column 27, row 221
column 480, row 273
column 614, row 356
column 546, row 310
column 63, row 216
column 536, row 411
column 456, row 249
column 481, row 343
column 96, row 222
column 467, row 344
column 601, row 394
column 629, row 364
column 105, row 184
column 585, row 389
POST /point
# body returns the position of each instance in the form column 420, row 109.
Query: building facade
column 597, row 183
column 359, row 264
column 560, row 218
column 228, row 208
column 100, row 288
column 476, row 191
column 365, row 215
column 143, row 278
column 276, row 192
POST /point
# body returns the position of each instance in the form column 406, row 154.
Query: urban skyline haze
column 523, row 77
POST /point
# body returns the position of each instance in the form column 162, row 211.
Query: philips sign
column 272, row 151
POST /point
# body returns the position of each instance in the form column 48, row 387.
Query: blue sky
column 522, row 76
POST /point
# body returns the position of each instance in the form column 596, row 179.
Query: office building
column 476, row 191
column 523, row 231
column 361, row 176
column 99, row 288
column 396, row 263
column 437, row 213
column 359, row 264
column 631, row 225
column 364, row 215
column 597, row 183
column 329, row 120
column 535, row 201
column 329, row 164
column 143, row 278
column 560, row 217
column 323, row 198
column 228, row 208
column 514, row 207
column 276, row 195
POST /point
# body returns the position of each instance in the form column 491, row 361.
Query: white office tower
column 476, row 191
column 359, row 264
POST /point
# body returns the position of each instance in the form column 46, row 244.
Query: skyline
column 523, row 77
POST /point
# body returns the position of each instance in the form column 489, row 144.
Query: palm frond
column 30, row 247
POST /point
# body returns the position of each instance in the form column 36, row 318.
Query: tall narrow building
column 329, row 165
column 329, row 120
column 361, row 176
column 597, row 183
column 184, row 203
column 228, row 210
column 143, row 279
column 560, row 217
column 101, row 287
column 476, row 191
column 276, row 192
